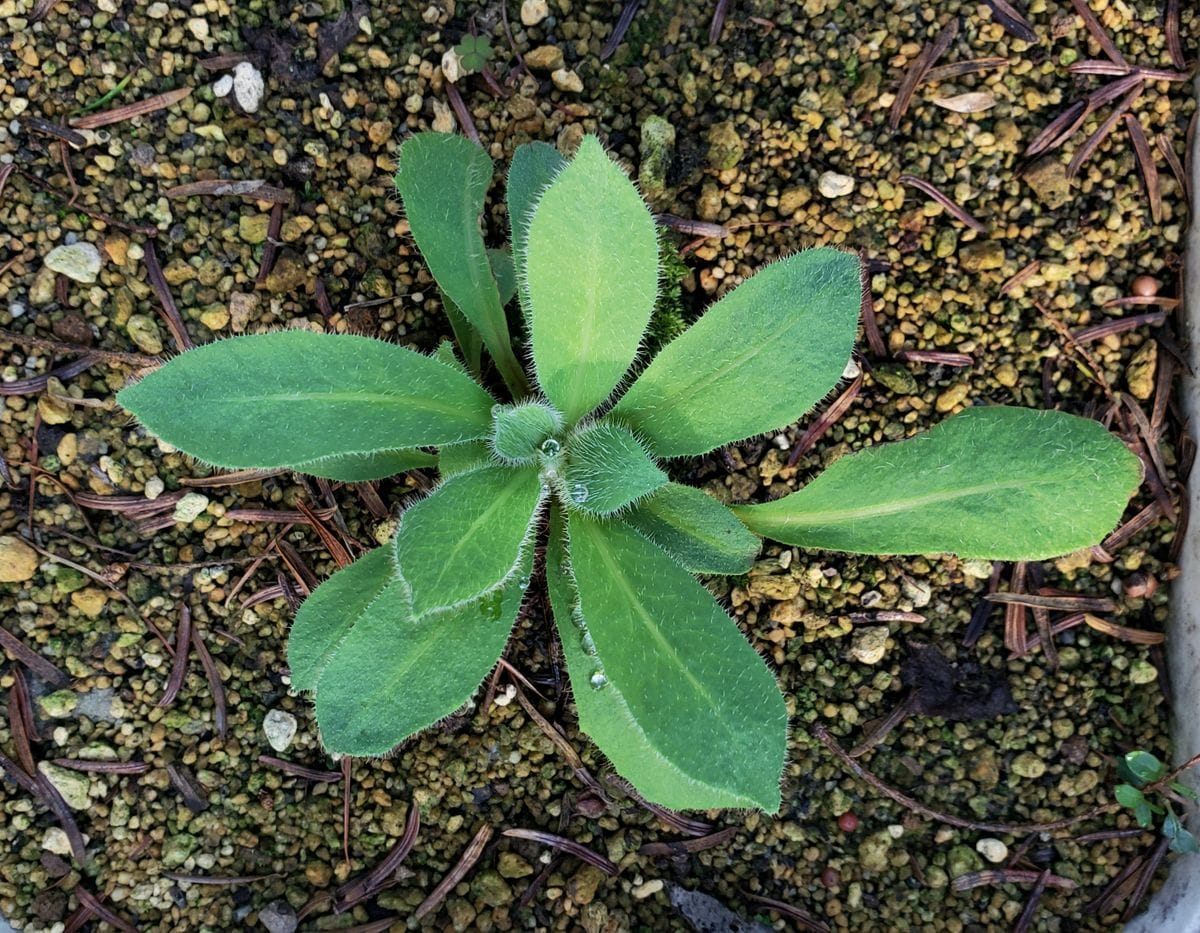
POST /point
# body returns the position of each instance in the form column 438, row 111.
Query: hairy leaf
column 607, row 470
column 333, row 609
column 359, row 468
column 468, row 538
column 288, row 398
column 591, row 272
column 757, row 360
column 506, row 275
column 460, row 458
column 694, row 528
column 1127, row 795
column 393, row 676
column 443, row 180
column 533, row 167
column 520, row 429
column 998, row 483
column 673, row 694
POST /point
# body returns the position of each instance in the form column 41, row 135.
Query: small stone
column 1028, row 765
column 58, row 704
column 443, row 118
column 361, row 166
column 493, row 890
column 567, row 80
column 544, row 58
column 1048, row 179
column 994, row 850
column 242, row 309
column 835, row 184
column 56, row 841
column 952, row 397
column 512, row 865
column 647, row 888
column 198, row 27
column 656, row 150
column 253, row 228
column 584, row 883
column 977, row 569
column 280, row 728
column 874, row 851
column 710, row 203
column 67, row 449
column 117, row 247
column 792, row 199
column 981, row 256
column 90, row 601
column 73, row 785
column 895, row 377
column 1142, row 671
column 290, row 273
column 18, row 561
column 248, row 87
column 725, row 146
column 1140, row 375
column 154, row 487
column 278, row 917
column 452, row 68
column 317, row 873
column 380, row 132
column 533, row 12
column 215, row 318
column 176, row 850
column 190, row 507
column 143, row 331
column 869, row 644
column 53, row 410
column 918, row 592
column 1006, row 375
column 78, row 261
column 962, row 860
column 223, row 86
column 41, row 291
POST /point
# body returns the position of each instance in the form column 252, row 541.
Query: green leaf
column 1184, row 791
column 533, row 167
column 694, row 528
column 333, row 609
column 1144, row 814
column 474, row 52
column 392, row 676
column 359, row 468
column 461, row 458
column 608, row 470
column 465, row 335
column 506, row 275
column 1184, row 842
column 1128, row 796
column 292, row 397
column 519, row 430
column 445, row 354
column 664, row 682
column 757, row 360
column 469, row 537
column 591, row 272
column 1140, row 767
column 443, row 180
column 997, row 483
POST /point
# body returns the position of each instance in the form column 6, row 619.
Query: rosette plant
column 579, row 451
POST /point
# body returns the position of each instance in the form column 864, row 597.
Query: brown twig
column 170, row 313
column 943, row 199
column 215, row 686
column 978, row 879
column 823, row 736
column 274, row 226
column 102, row 767
column 1056, row 603
column 183, row 639
column 926, row 59
column 1097, row 31
column 1013, row 20
column 936, row 357
column 465, row 863
column 563, row 844
column 46, row 670
column 1145, row 160
column 367, row 885
column 825, row 421
column 462, row 113
column 1092, row 142
column 128, row 111
column 250, row 189
column 720, row 12
column 806, row 920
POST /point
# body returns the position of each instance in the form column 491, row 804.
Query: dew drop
column 587, row 643
column 496, row 409
column 550, row 447
column 491, row 605
column 523, row 583
column 598, row 680
column 579, row 493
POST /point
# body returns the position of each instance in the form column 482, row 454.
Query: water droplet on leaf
column 550, row 447
column 588, row 643
column 598, row 680
column 579, row 493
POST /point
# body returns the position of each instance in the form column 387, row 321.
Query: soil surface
column 778, row 138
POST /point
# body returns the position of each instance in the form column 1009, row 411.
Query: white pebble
column 248, row 87
column 78, row 261
column 991, row 849
column 835, row 185
column 280, row 728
